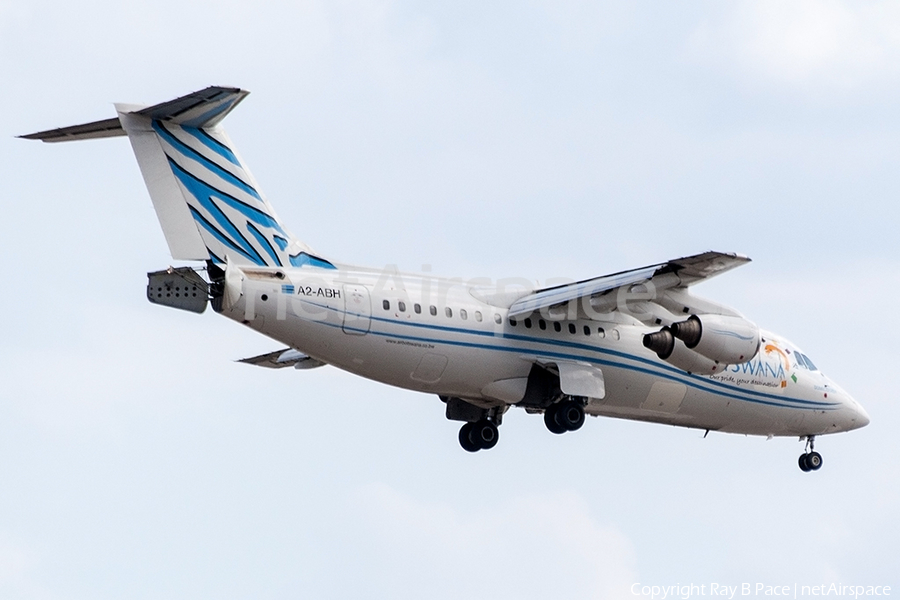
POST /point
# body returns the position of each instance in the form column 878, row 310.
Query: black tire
column 550, row 420
column 802, row 462
column 814, row 461
column 570, row 415
column 465, row 438
column 484, row 434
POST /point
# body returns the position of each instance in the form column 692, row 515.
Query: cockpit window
column 809, row 363
column 804, row 361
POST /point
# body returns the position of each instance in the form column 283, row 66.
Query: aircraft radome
column 633, row 345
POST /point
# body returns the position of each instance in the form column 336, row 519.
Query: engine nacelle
column 667, row 348
column 728, row 340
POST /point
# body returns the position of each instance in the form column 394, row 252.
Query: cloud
column 540, row 546
column 16, row 576
column 831, row 44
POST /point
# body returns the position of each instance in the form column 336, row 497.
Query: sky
column 508, row 139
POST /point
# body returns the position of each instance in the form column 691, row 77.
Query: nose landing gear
column 810, row 460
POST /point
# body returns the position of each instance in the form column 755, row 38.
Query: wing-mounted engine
column 707, row 343
column 675, row 353
column 729, row 340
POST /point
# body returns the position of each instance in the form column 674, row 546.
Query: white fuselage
column 437, row 336
column 635, row 344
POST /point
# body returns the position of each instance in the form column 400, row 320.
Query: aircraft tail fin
column 207, row 202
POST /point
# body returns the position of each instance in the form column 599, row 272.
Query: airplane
column 637, row 344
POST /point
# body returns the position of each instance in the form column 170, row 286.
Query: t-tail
column 208, row 204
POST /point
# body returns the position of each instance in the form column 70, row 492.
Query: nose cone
column 862, row 417
column 850, row 415
column 853, row 416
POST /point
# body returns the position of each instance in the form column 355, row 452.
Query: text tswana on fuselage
column 635, row 344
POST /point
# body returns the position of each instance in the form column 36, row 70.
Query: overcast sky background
column 535, row 139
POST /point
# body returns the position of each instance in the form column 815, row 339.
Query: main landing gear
column 564, row 416
column 810, row 460
column 480, row 432
column 480, row 435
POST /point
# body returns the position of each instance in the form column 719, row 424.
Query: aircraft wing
column 677, row 273
column 287, row 357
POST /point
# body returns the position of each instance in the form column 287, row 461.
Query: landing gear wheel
column 550, row 419
column 570, row 415
column 484, row 434
column 814, row 461
column 810, row 460
column 465, row 438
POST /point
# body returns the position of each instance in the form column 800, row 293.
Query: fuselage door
column 357, row 309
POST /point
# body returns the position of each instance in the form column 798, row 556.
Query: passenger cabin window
column 401, row 305
column 587, row 330
column 433, row 310
column 418, row 308
column 498, row 319
column 571, row 327
column 557, row 327
column 512, row 321
column 542, row 324
column 386, row 304
column 463, row 314
column 448, row 311
column 601, row 332
column 478, row 316
column 528, row 322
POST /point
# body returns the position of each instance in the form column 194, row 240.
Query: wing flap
column 561, row 294
column 674, row 274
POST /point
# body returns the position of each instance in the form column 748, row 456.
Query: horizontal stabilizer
column 284, row 358
column 89, row 131
column 205, row 108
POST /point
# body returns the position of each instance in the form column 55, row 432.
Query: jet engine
column 728, row 340
column 665, row 345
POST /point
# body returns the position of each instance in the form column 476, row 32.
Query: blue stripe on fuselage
column 652, row 368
